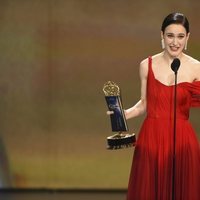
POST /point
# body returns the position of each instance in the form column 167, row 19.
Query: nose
column 175, row 42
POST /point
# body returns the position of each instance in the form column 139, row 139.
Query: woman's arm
column 197, row 71
column 140, row 107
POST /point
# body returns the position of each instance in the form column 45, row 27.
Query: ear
column 162, row 35
column 188, row 35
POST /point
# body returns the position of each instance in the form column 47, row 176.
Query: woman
column 152, row 173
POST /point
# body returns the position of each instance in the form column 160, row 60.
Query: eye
column 169, row 35
column 181, row 36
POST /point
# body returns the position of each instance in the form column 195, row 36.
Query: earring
column 185, row 45
column 162, row 44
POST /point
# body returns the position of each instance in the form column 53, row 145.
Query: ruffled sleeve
column 194, row 89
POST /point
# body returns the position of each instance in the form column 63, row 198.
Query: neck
column 168, row 58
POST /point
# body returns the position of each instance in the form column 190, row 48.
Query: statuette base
column 121, row 141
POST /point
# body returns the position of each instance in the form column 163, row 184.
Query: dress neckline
column 172, row 85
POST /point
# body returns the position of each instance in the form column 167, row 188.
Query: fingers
column 110, row 112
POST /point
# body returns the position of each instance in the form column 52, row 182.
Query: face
column 175, row 38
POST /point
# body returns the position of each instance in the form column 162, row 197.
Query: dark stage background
column 55, row 56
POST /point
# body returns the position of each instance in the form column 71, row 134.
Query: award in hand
column 118, row 120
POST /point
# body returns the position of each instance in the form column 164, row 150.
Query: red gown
column 152, row 168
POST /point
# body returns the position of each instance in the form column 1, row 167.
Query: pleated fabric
column 152, row 168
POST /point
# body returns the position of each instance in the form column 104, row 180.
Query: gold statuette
column 118, row 121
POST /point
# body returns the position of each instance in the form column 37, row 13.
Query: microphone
column 175, row 65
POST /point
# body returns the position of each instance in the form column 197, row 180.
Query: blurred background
column 55, row 56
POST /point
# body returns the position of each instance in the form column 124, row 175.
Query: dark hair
column 175, row 18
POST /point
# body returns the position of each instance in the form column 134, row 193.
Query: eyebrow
column 175, row 34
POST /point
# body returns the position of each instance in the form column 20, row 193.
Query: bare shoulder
column 144, row 62
column 155, row 58
column 144, row 67
column 196, row 69
column 192, row 61
column 194, row 65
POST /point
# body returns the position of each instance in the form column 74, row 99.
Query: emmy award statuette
column 118, row 121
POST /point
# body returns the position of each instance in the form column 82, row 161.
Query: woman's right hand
column 110, row 112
